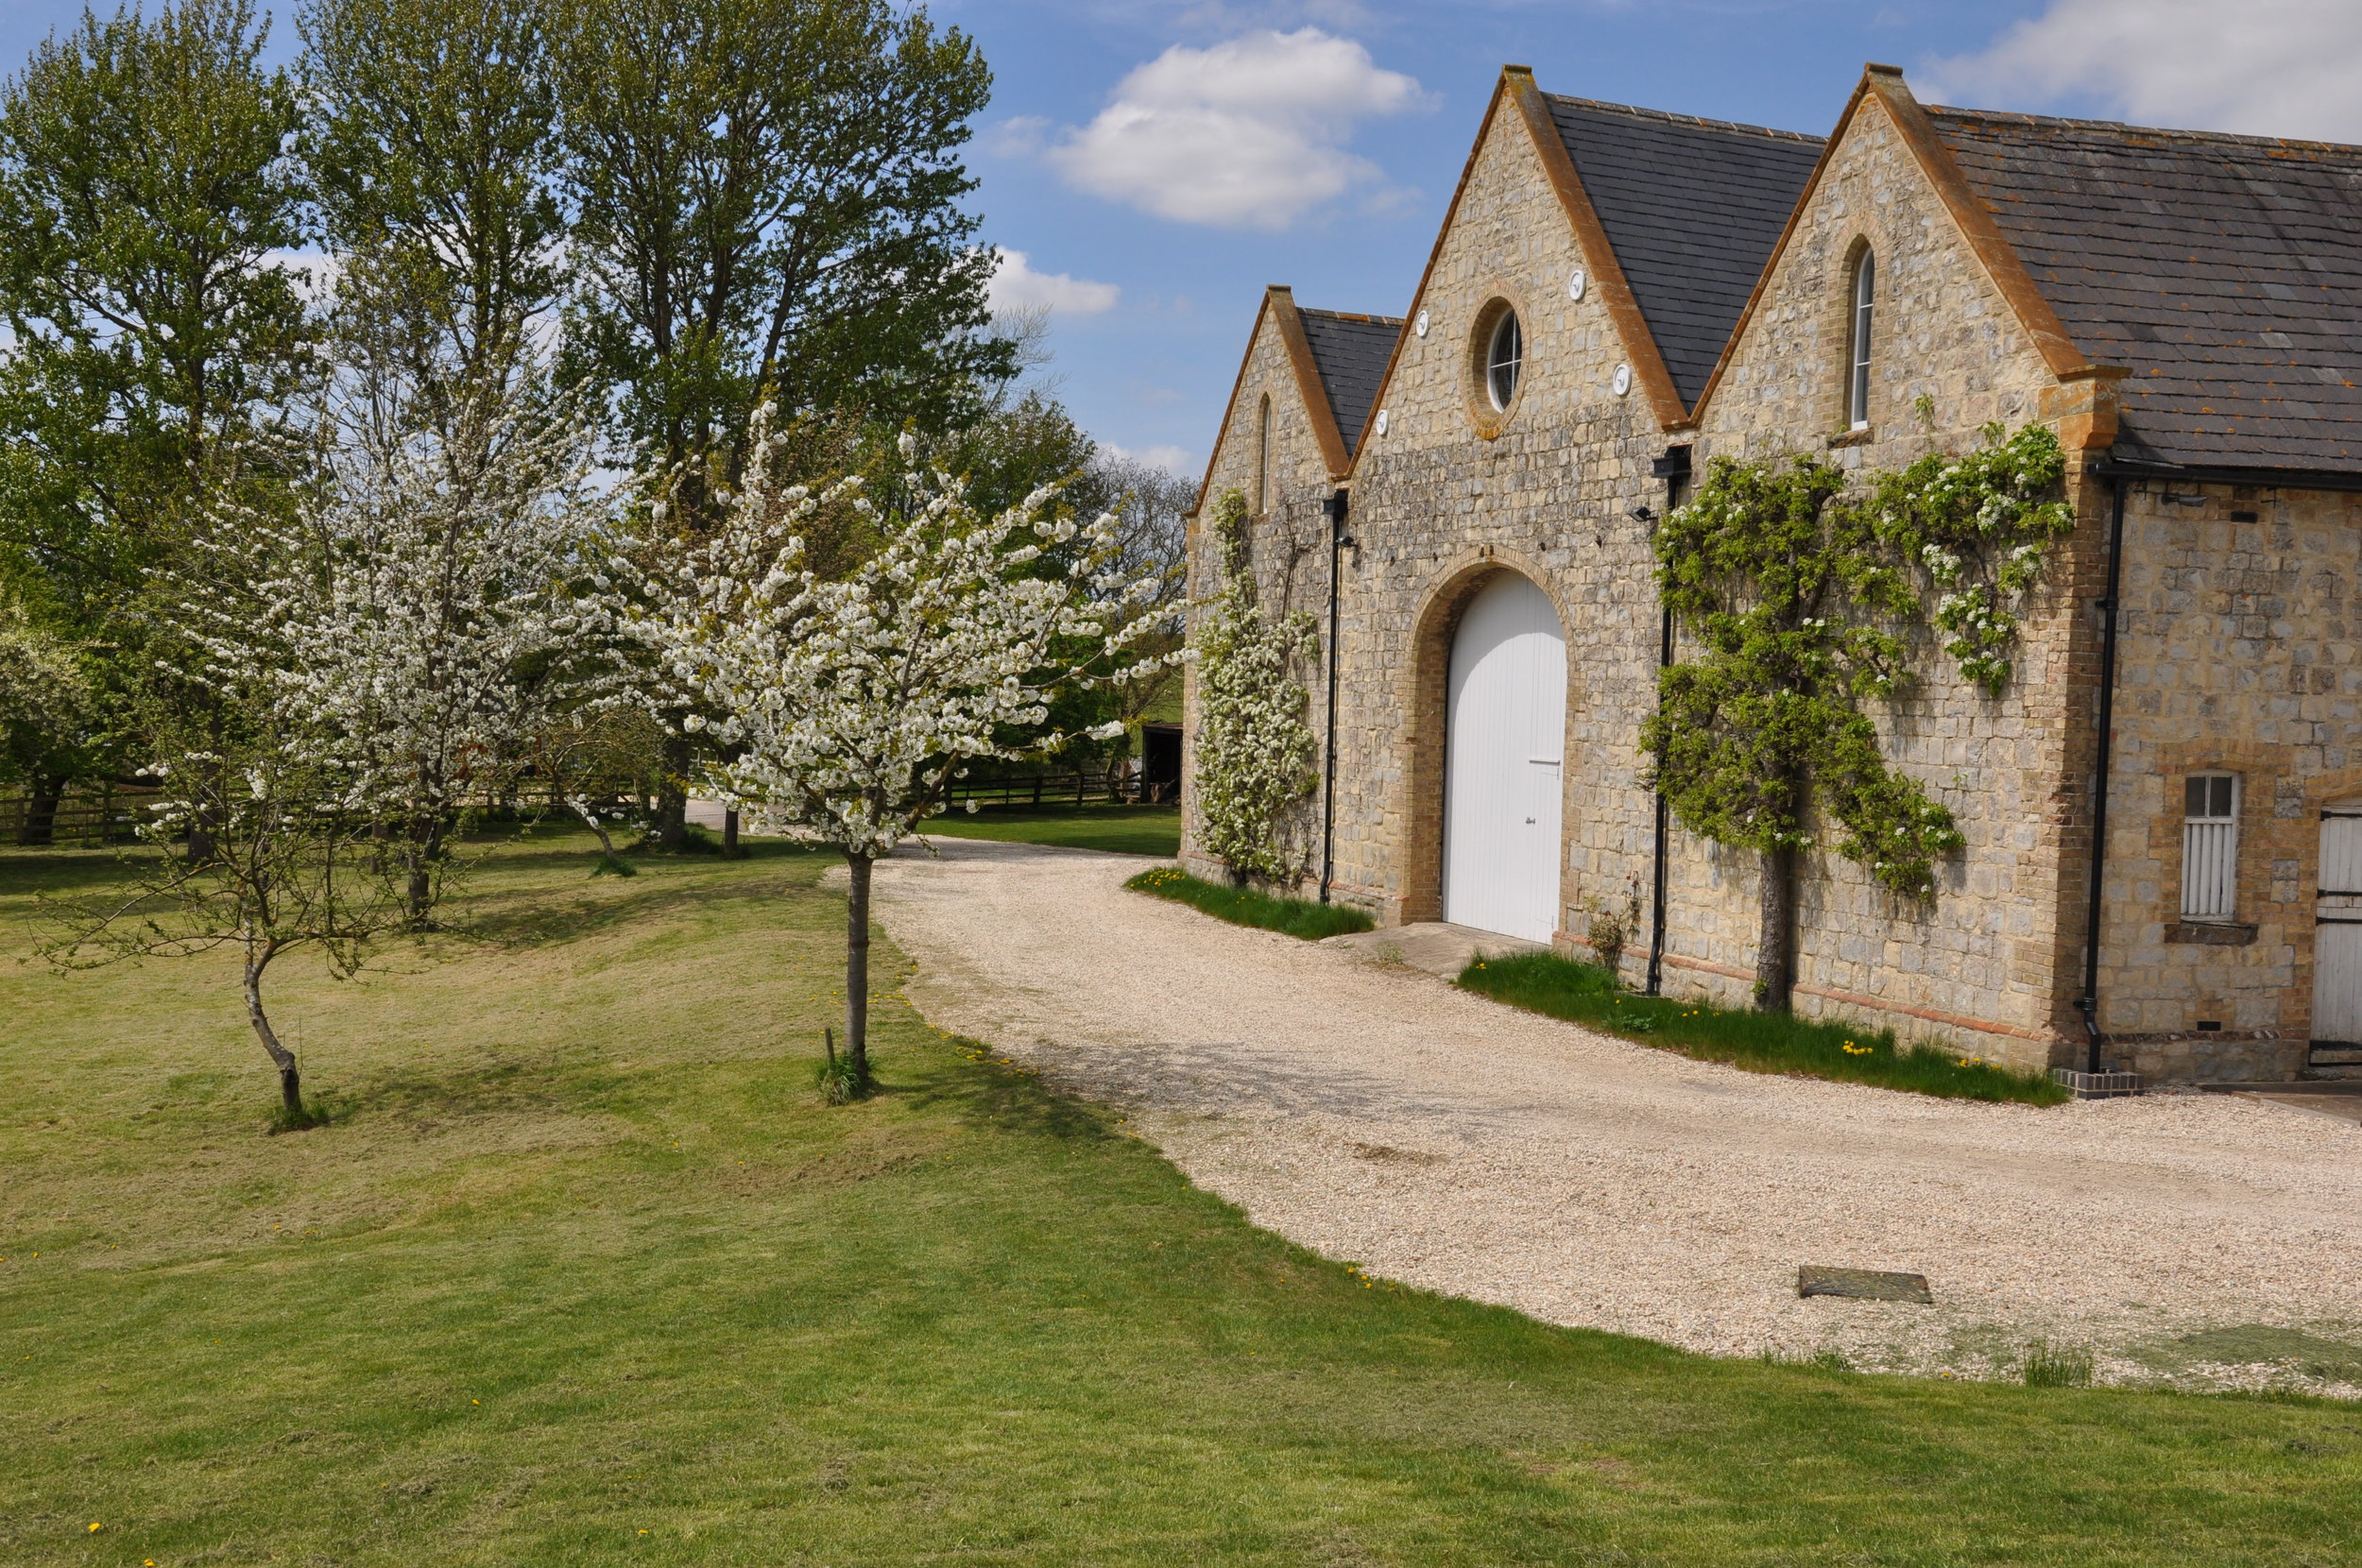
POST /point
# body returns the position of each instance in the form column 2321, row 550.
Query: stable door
column 2337, row 930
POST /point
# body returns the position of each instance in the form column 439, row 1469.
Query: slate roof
column 2224, row 271
column 1693, row 209
column 1350, row 352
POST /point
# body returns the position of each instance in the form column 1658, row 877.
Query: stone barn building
column 2162, row 808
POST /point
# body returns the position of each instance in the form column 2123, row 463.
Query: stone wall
column 2237, row 651
column 1455, row 491
column 2240, row 650
column 1948, row 356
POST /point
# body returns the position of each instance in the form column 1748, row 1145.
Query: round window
column 1503, row 359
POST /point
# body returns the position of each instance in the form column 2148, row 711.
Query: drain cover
column 1866, row 1285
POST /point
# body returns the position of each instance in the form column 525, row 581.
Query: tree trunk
column 1775, row 938
column 857, row 970
column 672, row 801
column 730, row 831
column 40, row 826
column 423, row 846
column 290, row 1081
column 590, row 818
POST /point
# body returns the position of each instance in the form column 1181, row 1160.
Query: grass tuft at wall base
column 1299, row 917
column 1758, row 1042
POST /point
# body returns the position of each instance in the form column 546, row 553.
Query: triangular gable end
column 1332, row 373
column 1998, row 259
column 1631, row 326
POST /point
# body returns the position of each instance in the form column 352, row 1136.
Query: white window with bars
column 2210, row 846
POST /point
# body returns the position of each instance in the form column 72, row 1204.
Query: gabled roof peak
column 1691, row 209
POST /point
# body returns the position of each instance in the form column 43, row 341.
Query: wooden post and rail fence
column 90, row 817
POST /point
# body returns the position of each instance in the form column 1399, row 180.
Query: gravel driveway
column 1378, row 1115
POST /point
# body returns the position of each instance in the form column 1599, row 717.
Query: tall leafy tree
column 769, row 205
column 147, row 183
column 768, row 199
column 432, row 150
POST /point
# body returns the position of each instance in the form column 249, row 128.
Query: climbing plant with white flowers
column 1798, row 593
column 1978, row 529
column 1257, row 757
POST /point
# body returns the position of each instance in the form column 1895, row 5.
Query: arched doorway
column 1505, row 741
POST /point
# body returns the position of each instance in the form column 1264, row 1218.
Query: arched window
column 1262, row 457
column 1858, row 382
column 1503, row 358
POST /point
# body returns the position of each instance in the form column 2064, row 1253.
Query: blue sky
column 1155, row 164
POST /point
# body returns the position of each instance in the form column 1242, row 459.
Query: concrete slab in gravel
column 1432, row 944
column 1376, row 1112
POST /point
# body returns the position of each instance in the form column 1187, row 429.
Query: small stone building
column 1619, row 295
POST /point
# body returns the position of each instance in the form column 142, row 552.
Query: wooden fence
column 1078, row 787
column 103, row 815
column 85, row 818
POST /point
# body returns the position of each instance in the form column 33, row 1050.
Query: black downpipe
column 1334, row 508
column 1672, row 468
column 2088, row 1004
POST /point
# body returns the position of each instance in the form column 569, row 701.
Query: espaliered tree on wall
column 1256, row 750
column 1797, row 597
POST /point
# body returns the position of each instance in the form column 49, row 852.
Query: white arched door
column 1505, row 734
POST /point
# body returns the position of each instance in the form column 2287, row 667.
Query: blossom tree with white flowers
column 439, row 604
column 848, row 706
column 360, row 673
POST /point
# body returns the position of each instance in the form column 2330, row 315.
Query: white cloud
column 1016, row 286
column 1246, row 134
column 1176, row 460
column 2265, row 67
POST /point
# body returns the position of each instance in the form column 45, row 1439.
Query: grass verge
column 1759, row 1042
column 1118, row 829
column 1300, row 917
column 583, row 1272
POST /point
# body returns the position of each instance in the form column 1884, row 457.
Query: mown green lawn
column 1121, row 829
column 585, row 1273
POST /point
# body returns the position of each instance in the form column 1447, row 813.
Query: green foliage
column 1256, row 755
column 1298, row 917
column 838, row 1076
column 431, row 146
column 769, row 207
column 45, row 705
column 1977, row 529
column 1779, row 584
column 1758, row 1042
column 1797, row 592
column 146, row 181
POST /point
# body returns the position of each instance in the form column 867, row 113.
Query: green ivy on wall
column 1796, row 594
column 1256, row 756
